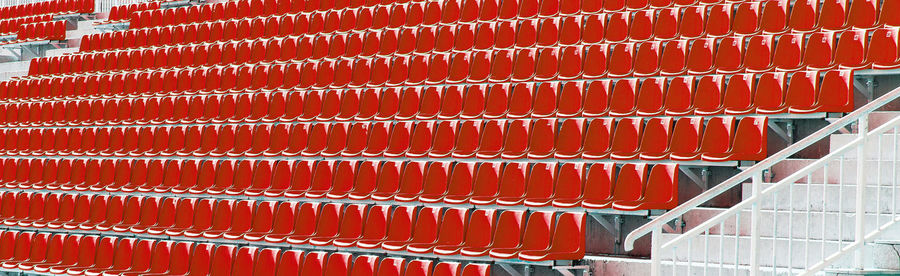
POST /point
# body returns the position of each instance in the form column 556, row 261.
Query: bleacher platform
column 397, row 137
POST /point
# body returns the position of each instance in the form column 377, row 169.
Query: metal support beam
column 786, row 133
column 567, row 270
column 606, row 224
column 509, row 269
column 700, row 180
column 865, row 85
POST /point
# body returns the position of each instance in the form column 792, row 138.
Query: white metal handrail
column 754, row 174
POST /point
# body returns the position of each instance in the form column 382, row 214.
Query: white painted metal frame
column 767, row 219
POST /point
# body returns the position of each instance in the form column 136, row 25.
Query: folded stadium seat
column 757, row 55
column 708, row 96
column 435, row 180
column 769, row 98
column 280, row 179
column 673, row 61
column 596, row 68
column 621, row 60
column 692, row 22
column 651, row 97
column 819, row 51
column 518, row 105
column 850, row 52
column 261, row 221
column 512, row 185
column 883, row 14
column 883, row 50
column 425, row 230
column 833, row 15
column 717, row 137
column 626, row 139
column 485, row 185
column 749, row 142
column 800, row 92
column 570, row 139
column 646, row 59
column 399, row 230
column 356, row 140
column 411, row 183
column 336, row 140
column 455, row 188
column 351, row 226
column 701, row 58
column 788, row 55
column 598, row 138
column 536, row 236
column 472, row 102
column 747, row 17
column 835, row 94
column 515, row 143
column 623, row 99
column 719, row 20
column 207, row 214
column 728, row 55
column 240, row 221
column 303, row 224
column 541, row 142
column 491, row 141
column 739, row 94
column 321, row 178
column 617, row 27
column 377, row 141
column 29, row 248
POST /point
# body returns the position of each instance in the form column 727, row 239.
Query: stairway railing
column 691, row 250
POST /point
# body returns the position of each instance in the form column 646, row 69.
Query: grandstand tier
column 420, row 137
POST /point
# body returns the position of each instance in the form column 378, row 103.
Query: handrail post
column 863, row 130
column 655, row 252
column 754, row 226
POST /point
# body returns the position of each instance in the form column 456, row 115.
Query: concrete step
column 833, row 227
column 843, row 171
column 829, row 197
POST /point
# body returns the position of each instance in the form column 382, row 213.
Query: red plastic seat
column 835, row 94
column 738, row 99
column 597, row 139
column 506, row 234
column 536, row 236
column 850, row 52
column 883, row 48
column 623, row 99
column 661, row 191
column 819, row 52
column 651, row 97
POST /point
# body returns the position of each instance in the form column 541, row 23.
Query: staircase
column 798, row 216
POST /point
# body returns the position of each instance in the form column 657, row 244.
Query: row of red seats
column 123, row 13
column 574, row 62
column 74, row 254
column 666, row 24
column 564, row 185
column 11, row 26
column 724, row 139
column 854, row 49
column 47, row 7
column 50, row 30
column 420, row 230
column 768, row 93
column 420, row 12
